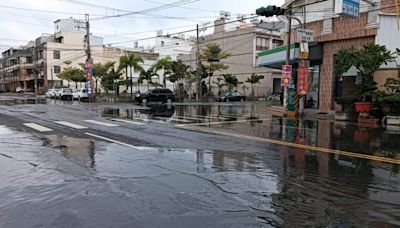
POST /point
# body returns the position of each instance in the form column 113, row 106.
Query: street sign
column 305, row 35
column 89, row 74
column 286, row 75
column 302, row 81
column 348, row 7
column 304, row 51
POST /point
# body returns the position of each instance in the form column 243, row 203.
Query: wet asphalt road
column 143, row 170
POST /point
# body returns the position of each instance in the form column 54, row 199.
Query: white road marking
column 172, row 119
column 67, row 124
column 114, row 141
column 37, row 127
column 101, row 123
column 189, row 118
column 4, row 130
column 127, row 121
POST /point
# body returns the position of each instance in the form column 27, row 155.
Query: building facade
column 243, row 42
column 332, row 32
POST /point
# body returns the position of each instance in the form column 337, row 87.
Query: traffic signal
column 270, row 11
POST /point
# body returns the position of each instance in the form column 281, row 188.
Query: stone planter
column 342, row 116
column 392, row 120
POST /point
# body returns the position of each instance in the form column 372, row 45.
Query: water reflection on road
column 71, row 182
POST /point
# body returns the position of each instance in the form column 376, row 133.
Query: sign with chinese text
column 286, row 75
column 305, row 35
column 89, row 74
column 348, row 7
column 302, row 81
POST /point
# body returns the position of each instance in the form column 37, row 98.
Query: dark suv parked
column 156, row 95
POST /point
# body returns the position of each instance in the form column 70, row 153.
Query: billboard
column 348, row 7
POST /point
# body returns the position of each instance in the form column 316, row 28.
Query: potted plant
column 366, row 61
column 344, row 107
column 389, row 100
column 367, row 119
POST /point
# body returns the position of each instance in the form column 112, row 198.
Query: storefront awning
column 276, row 57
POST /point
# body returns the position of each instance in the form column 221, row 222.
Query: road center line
column 220, row 122
column 37, row 127
column 295, row 145
column 67, row 124
column 4, row 130
column 114, row 141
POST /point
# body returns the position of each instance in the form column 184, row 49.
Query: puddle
column 78, row 182
column 11, row 102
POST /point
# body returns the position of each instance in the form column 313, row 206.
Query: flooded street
column 61, row 180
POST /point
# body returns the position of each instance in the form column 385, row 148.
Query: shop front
column 276, row 58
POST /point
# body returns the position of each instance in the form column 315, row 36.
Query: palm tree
column 231, row 81
column 130, row 61
column 220, row 84
column 254, row 79
column 179, row 71
column 164, row 64
column 147, row 75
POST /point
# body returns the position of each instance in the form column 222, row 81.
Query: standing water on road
column 59, row 181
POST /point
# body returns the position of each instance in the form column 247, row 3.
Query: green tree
column 211, row 55
column 110, row 79
column 254, row 79
column 164, row 64
column 133, row 63
column 231, row 81
column 71, row 74
column 220, row 84
column 179, row 71
column 367, row 61
column 148, row 76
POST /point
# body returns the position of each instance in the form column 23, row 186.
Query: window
column 262, row 44
column 28, row 59
column 56, row 54
column 162, row 43
column 57, row 69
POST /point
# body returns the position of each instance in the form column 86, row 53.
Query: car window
column 68, row 90
column 84, row 91
column 238, row 94
column 227, row 94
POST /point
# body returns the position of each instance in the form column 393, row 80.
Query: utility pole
column 89, row 61
column 287, row 62
column 198, row 67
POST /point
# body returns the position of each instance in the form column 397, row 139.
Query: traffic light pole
column 287, row 62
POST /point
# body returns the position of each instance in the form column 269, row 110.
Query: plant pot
column 368, row 121
column 364, row 106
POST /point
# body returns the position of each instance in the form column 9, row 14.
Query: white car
column 51, row 93
column 64, row 93
column 80, row 94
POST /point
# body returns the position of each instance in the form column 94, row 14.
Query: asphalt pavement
column 77, row 164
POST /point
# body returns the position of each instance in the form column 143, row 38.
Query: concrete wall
column 381, row 76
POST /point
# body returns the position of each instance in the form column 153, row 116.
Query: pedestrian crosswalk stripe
column 127, row 121
column 114, row 141
column 37, row 127
column 67, row 124
column 4, row 130
column 101, row 123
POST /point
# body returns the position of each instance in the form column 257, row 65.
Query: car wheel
column 169, row 101
column 227, row 100
column 144, row 101
column 241, row 99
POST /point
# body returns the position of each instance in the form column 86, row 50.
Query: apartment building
column 244, row 40
column 17, row 69
column 377, row 23
column 43, row 59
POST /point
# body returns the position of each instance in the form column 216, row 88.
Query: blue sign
column 351, row 8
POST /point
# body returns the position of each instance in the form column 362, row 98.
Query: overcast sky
column 19, row 25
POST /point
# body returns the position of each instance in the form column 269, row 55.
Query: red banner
column 302, row 81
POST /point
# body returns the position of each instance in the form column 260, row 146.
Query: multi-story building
column 17, row 69
column 243, row 42
column 49, row 54
column 377, row 23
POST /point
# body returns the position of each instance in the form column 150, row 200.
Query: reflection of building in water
column 233, row 160
column 78, row 149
